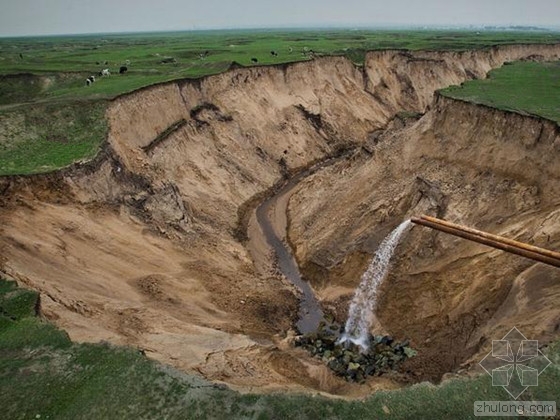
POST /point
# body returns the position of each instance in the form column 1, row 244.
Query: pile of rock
column 350, row 361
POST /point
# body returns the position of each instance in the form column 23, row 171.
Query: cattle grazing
column 123, row 70
column 307, row 52
column 274, row 53
column 21, row 56
column 90, row 80
column 203, row 55
column 254, row 60
column 127, row 62
column 105, row 72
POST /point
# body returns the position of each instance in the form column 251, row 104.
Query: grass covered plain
column 43, row 375
column 65, row 61
column 524, row 87
column 43, row 137
column 47, row 75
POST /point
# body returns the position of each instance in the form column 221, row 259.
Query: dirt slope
column 145, row 246
column 477, row 166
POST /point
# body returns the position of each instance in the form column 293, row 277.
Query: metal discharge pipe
column 499, row 242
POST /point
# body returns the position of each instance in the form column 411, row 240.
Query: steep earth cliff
column 477, row 166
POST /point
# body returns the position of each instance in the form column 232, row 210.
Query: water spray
column 364, row 302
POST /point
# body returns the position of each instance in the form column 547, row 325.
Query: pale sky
column 37, row 17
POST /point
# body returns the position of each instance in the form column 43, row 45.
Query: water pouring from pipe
column 364, row 302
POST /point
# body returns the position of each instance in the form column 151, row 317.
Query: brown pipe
column 460, row 231
column 542, row 251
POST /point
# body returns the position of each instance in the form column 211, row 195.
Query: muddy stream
column 268, row 244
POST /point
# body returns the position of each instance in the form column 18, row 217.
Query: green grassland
column 69, row 60
column 49, row 118
column 43, row 137
column 524, row 87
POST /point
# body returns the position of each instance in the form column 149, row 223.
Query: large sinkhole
column 157, row 242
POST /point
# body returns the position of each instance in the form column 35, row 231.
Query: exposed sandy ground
column 146, row 246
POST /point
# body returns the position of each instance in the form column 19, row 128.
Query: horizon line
column 418, row 27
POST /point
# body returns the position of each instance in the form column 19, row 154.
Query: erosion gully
column 310, row 313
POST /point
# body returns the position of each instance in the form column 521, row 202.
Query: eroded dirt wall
column 404, row 80
column 474, row 165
